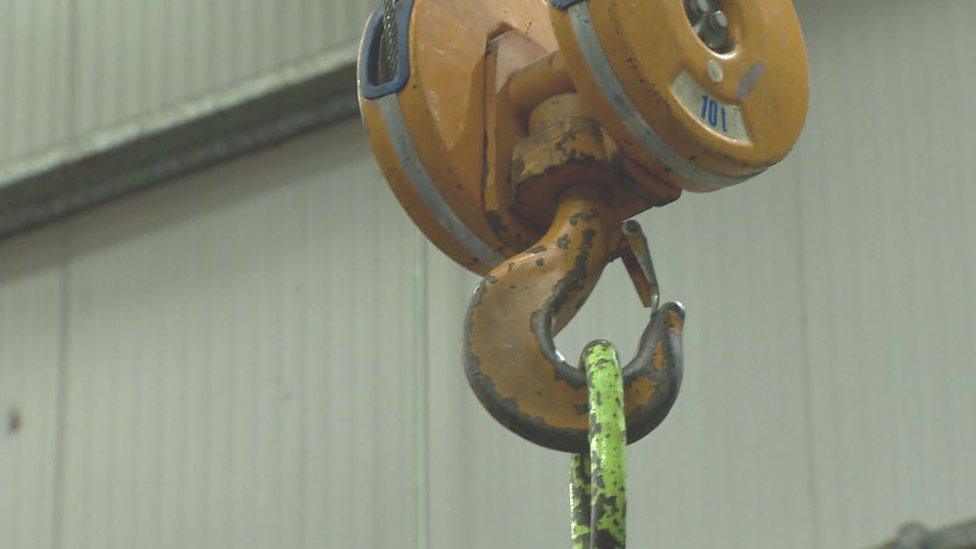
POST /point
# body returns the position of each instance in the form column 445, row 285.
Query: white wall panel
column 31, row 330
column 35, row 68
column 240, row 370
column 888, row 210
column 734, row 455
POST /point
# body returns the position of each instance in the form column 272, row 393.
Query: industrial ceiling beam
column 152, row 158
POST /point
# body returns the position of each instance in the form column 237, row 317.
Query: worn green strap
column 598, row 495
column 579, row 500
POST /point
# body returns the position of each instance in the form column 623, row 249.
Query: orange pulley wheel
column 703, row 93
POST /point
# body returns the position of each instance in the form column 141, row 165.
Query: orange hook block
column 520, row 134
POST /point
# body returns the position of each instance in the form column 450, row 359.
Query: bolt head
column 718, row 20
column 715, row 71
column 697, row 9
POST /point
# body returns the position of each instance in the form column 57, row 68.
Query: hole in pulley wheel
column 711, row 23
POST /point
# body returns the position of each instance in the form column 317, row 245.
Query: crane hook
column 510, row 359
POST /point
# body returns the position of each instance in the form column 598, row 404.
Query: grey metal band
column 627, row 112
column 413, row 166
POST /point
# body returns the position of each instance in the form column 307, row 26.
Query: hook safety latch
column 510, row 358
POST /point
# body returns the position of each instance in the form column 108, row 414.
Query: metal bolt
column 718, row 20
column 715, row 71
column 709, row 22
column 698, row 9
column 715, row 31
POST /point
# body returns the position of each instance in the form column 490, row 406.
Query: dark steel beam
column 153, row 158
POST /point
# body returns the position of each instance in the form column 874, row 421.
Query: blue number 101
column 712, row 113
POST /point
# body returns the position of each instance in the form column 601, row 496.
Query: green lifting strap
column 598, row 481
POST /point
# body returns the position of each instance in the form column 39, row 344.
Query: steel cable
column 388, row 47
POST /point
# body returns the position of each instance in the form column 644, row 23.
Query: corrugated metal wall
column 35, row 95
column 237, row 332
column 267, row 354
column 83, row 75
